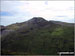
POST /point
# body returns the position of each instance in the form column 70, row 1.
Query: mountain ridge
column 35, row 20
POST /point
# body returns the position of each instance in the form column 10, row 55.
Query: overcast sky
column 20, row 11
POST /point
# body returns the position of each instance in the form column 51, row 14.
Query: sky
column 20, row 11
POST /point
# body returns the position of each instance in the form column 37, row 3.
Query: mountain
column 37, row 36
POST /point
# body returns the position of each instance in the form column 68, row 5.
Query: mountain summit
column 37, row 19
column 37, row 22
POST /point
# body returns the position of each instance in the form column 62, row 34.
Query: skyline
column 20, row 11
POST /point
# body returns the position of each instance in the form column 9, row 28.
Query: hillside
column 37, row 36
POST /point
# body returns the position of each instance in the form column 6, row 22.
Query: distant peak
column 37, row 19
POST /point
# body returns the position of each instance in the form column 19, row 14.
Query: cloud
column 50, row 10
column 61, row 16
